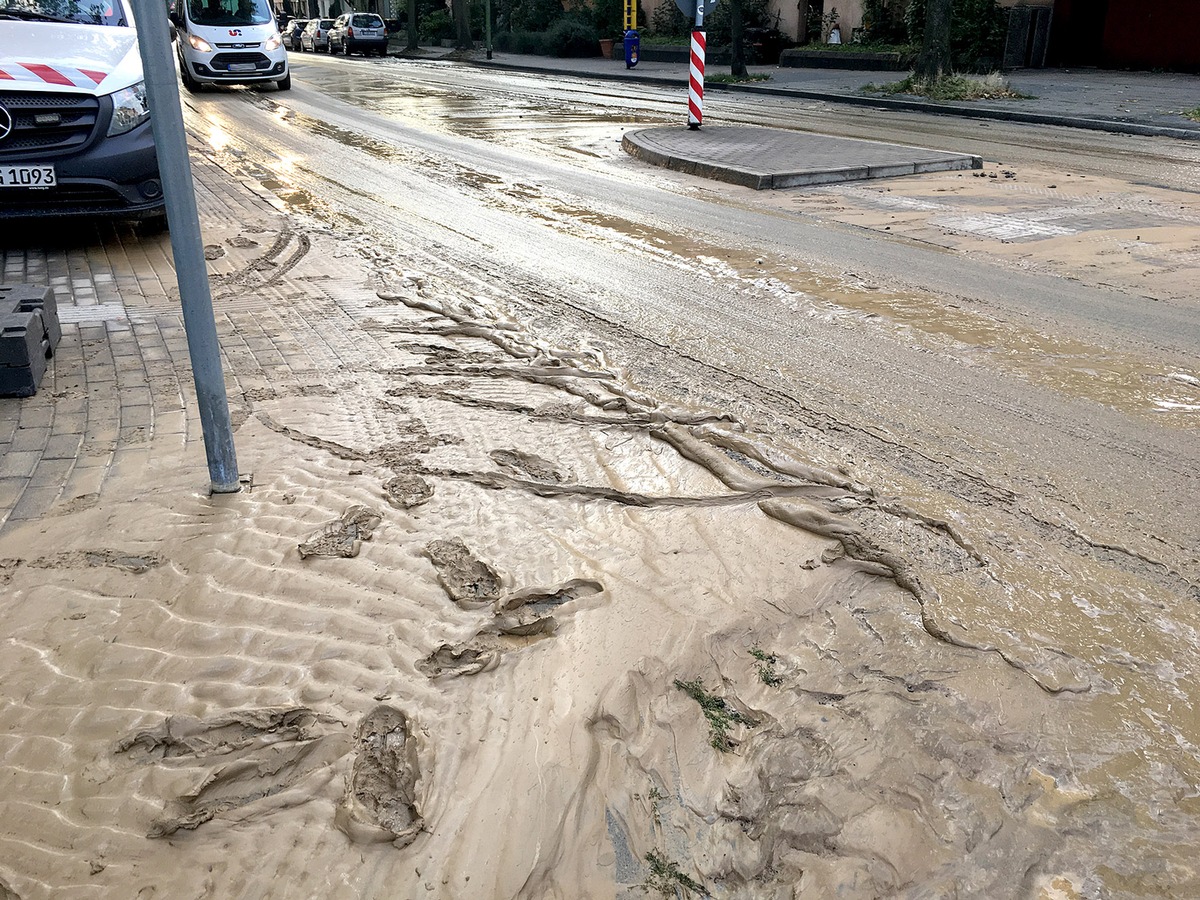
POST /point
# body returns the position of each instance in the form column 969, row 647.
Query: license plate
column 241, row 67
column 28, row 176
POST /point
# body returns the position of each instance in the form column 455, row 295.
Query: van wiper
column 12, row 12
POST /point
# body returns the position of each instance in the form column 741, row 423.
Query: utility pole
column 166, row 118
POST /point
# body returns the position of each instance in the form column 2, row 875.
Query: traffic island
column 768, row 158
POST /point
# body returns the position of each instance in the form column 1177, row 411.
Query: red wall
column 1140, row 34
column 1153, row 33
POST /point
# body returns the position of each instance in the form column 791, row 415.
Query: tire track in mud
column 543, row 303
column 792, row 492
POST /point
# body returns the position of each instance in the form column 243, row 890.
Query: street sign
column 688, row 8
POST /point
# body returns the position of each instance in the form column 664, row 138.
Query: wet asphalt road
column 1025, row 409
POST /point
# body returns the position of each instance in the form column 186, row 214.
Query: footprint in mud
column 344, row 536
column 239, row 758
column 543, row 599
column 137, row 563
column 188, row 736
column 520, row 620
column 244, row 777
column 517, row 462
column 470, row 582
column 213, row 251
column 241, row 242
column 407, row 491
column 483, row 651
column 380, row 803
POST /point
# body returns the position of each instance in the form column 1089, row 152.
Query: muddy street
column 608, row 532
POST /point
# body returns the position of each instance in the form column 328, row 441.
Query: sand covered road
column 489, row 621
column 496, row 615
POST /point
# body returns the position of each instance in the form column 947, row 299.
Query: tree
column 737, row 50
column 462, row 24
column 934, row 59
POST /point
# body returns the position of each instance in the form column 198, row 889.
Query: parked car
column 358, row 32
column 316, row 35
column 75, row 137
column 229, row 42
column 292, row 32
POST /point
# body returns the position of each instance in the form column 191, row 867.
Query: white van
column 229, row 42
column 75, row 135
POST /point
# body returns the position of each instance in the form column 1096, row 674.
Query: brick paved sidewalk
column 118, row 395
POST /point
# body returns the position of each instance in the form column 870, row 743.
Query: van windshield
column 228, row 12
column 83, row 12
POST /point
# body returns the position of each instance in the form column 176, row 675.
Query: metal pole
column 162, row 92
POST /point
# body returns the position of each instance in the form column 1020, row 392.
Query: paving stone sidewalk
column 118, row 398
column 1141, row 103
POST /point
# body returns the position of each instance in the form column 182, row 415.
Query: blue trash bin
column 632, row 46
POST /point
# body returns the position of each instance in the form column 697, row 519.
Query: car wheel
column 153, row 225
column 284, row 83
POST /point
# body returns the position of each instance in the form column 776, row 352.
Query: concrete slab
column 769, row 158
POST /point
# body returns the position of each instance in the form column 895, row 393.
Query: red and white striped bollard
column 696, row 81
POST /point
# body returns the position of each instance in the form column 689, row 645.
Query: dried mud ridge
column 243, row 763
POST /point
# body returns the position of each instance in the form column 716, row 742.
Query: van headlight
column 199, row 43
column 130, row 109
column 274, row 42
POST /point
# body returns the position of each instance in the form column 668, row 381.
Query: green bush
column 435, row 26
column 667, row 21
column 574, row 37
column 883, row 22
column 528, row 42
column 529, row 15
column 755, row 14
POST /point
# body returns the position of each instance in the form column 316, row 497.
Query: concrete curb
column 939, row 109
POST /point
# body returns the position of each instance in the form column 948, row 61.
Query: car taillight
column 349, row 32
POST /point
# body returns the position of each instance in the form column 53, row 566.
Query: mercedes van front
column 229, row 42
column 75, row 135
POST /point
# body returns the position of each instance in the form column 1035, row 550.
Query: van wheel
column 285, row 83
column 189, row 80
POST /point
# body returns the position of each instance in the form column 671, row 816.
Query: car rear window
column 326, row 24
column 366, row 21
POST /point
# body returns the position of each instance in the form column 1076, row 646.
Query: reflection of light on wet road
column 218, row 138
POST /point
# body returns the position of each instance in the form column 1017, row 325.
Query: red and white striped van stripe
column 696, row 81
column 40, row 73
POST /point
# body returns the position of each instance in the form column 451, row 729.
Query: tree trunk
column 737, row 59
column 412, row 24
column 462, row 24
column 934, row 60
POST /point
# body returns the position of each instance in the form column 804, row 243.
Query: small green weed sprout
column 721, row 717
column 766, row 666
column 666, row 878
